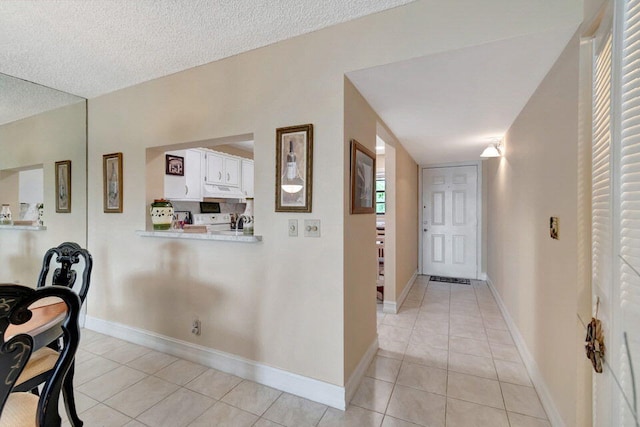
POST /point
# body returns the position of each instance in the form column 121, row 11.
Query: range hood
column 221, row 191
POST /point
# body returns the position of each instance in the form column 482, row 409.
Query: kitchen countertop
column 225, row 236
column 23, row 227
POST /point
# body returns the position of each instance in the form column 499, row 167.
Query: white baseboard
column 482, row 276
column 389, row 307
column 532, row 367
column 356, row 376
column 392, row 307
column 309, row 388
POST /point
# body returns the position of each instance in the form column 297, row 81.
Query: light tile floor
column 447, row 359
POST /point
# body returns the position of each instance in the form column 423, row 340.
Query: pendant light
column 292, row 181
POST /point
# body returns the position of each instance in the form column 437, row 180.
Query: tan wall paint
column 390, row 221
column 536, row 179
column 42, row 140
column 401, row 222
column 360, row 256
column 280, row 302
column 406, row 219
column 401, row 218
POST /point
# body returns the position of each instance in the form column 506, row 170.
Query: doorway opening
column 380, row 203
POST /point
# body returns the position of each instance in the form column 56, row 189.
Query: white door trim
column 478, row 163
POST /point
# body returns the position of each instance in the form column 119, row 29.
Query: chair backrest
column 67, row 255
column 14, row 352
column 15, row 302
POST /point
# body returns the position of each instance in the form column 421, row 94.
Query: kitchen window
column 380, row 196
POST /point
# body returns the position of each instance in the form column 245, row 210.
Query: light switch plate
column 311, row 228
column 293, row 228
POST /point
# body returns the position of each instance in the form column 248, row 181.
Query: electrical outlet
column 293, row 228
column 196, row 327
column 311, row 228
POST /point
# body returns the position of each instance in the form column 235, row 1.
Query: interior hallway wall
column 407, row 208
column 535, row 275
column 359, row 239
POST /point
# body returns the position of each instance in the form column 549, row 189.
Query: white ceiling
column 20, row 99
column 89, row 48
column 443, row 107
column 447, row 107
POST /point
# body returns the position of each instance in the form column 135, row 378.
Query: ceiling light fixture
column 493, row 150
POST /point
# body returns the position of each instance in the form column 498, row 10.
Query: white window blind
column 601, row 172
column 601, row 215
column 629, row 221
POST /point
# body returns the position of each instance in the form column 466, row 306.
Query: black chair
column 23, row 408
column 68, row 256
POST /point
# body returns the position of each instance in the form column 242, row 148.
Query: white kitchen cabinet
column 214, row 168
column 189, row 186
column 222, row 169
column 232, row 171
column 247, row 177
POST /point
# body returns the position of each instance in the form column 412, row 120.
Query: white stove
column 214, row 222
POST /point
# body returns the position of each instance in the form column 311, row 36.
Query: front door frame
column 481, row 275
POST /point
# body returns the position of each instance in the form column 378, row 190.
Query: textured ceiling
column 89, row 48
column 447, row 107
column 443, row 107
column 20, row 99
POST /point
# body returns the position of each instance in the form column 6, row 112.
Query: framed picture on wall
column 363, row 179
column 174, row 165
column 63, row 186
column 294, row 164
column 112, row 182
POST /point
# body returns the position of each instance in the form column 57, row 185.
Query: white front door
column 450, row 221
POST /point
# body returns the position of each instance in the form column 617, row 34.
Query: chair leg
column 69, row 399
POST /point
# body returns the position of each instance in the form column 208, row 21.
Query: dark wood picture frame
column 112, row 182
column 294, row 142
column 363, row 179
column 174, row 165
column 63, row 186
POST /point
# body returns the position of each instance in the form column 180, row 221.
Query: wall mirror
column 39, row 126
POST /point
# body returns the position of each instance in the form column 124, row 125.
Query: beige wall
column 42, row 140
column 360, row 256
column 401, row 239
column 406, row 214
column 401, row 218
column 536, row 179
column 280, row 302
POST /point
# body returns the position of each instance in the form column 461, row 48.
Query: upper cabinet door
column 232, row 171
column 215, row 169
column 193, row 174
column 188, row 186
column 247, row 177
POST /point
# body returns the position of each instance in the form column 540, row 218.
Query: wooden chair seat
column 41, row 362
column 20, row 410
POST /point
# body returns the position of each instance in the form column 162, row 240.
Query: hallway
column 446, row 359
